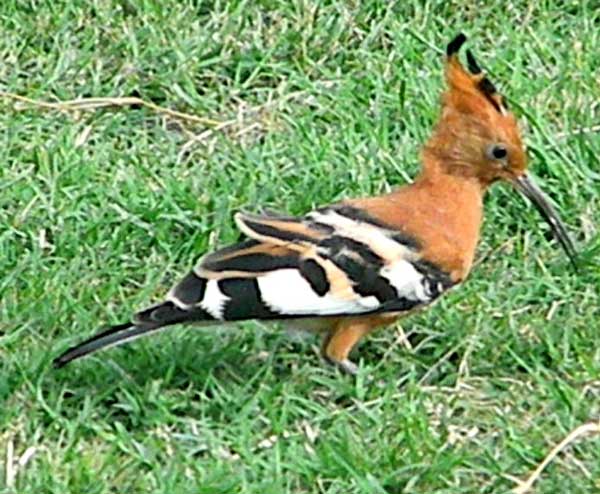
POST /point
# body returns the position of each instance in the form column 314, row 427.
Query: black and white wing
column 336, row 261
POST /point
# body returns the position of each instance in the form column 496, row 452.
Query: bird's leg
column 340, row 340
column 345, row 334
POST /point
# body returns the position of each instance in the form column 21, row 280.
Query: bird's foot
column 346, row 366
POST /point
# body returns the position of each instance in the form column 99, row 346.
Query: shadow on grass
column 197, row 367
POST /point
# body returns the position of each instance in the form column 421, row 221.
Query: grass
column 101, row 211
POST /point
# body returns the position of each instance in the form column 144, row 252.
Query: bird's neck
column 454, row 212
column 445, row 213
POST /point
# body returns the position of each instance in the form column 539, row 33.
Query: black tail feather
column 112, row 336
column 146, row 321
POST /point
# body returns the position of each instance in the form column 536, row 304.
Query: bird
column 346, row 269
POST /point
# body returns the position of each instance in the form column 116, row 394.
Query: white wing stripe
column 287, row 292
column 214, row 300
column 407, row 281
column 376, row 238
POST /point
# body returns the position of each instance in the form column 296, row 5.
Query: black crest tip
column 454, row 45
column 487, row 87
column 474, row 67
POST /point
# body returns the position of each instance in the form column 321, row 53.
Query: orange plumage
column 349, row 268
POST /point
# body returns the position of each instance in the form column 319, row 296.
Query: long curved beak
column 529, row 189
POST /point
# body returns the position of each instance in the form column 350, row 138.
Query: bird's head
column 476, row 137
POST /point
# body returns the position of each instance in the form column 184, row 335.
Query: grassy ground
column 100, row 211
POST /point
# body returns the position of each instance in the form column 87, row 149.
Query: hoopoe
column 346, row 269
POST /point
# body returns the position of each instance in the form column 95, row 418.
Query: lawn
column 287, row 105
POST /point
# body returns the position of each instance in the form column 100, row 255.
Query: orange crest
column 476, row 135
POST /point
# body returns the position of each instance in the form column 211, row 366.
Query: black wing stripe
column 366, row 279
column 256, row 263
column 232, row 249
column 337, row 244
column 379, row 287
column 190, row 290
column 364, row 273
column 321, row 227
column 245, row 301
column 400, row 305
column 168, row 313
column 355, row 214
column 314, row 273
column 270, row 231
column 436, row 280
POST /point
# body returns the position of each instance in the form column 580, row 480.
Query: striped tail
column 145, row 322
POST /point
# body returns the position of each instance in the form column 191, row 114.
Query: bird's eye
column 497, row 152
